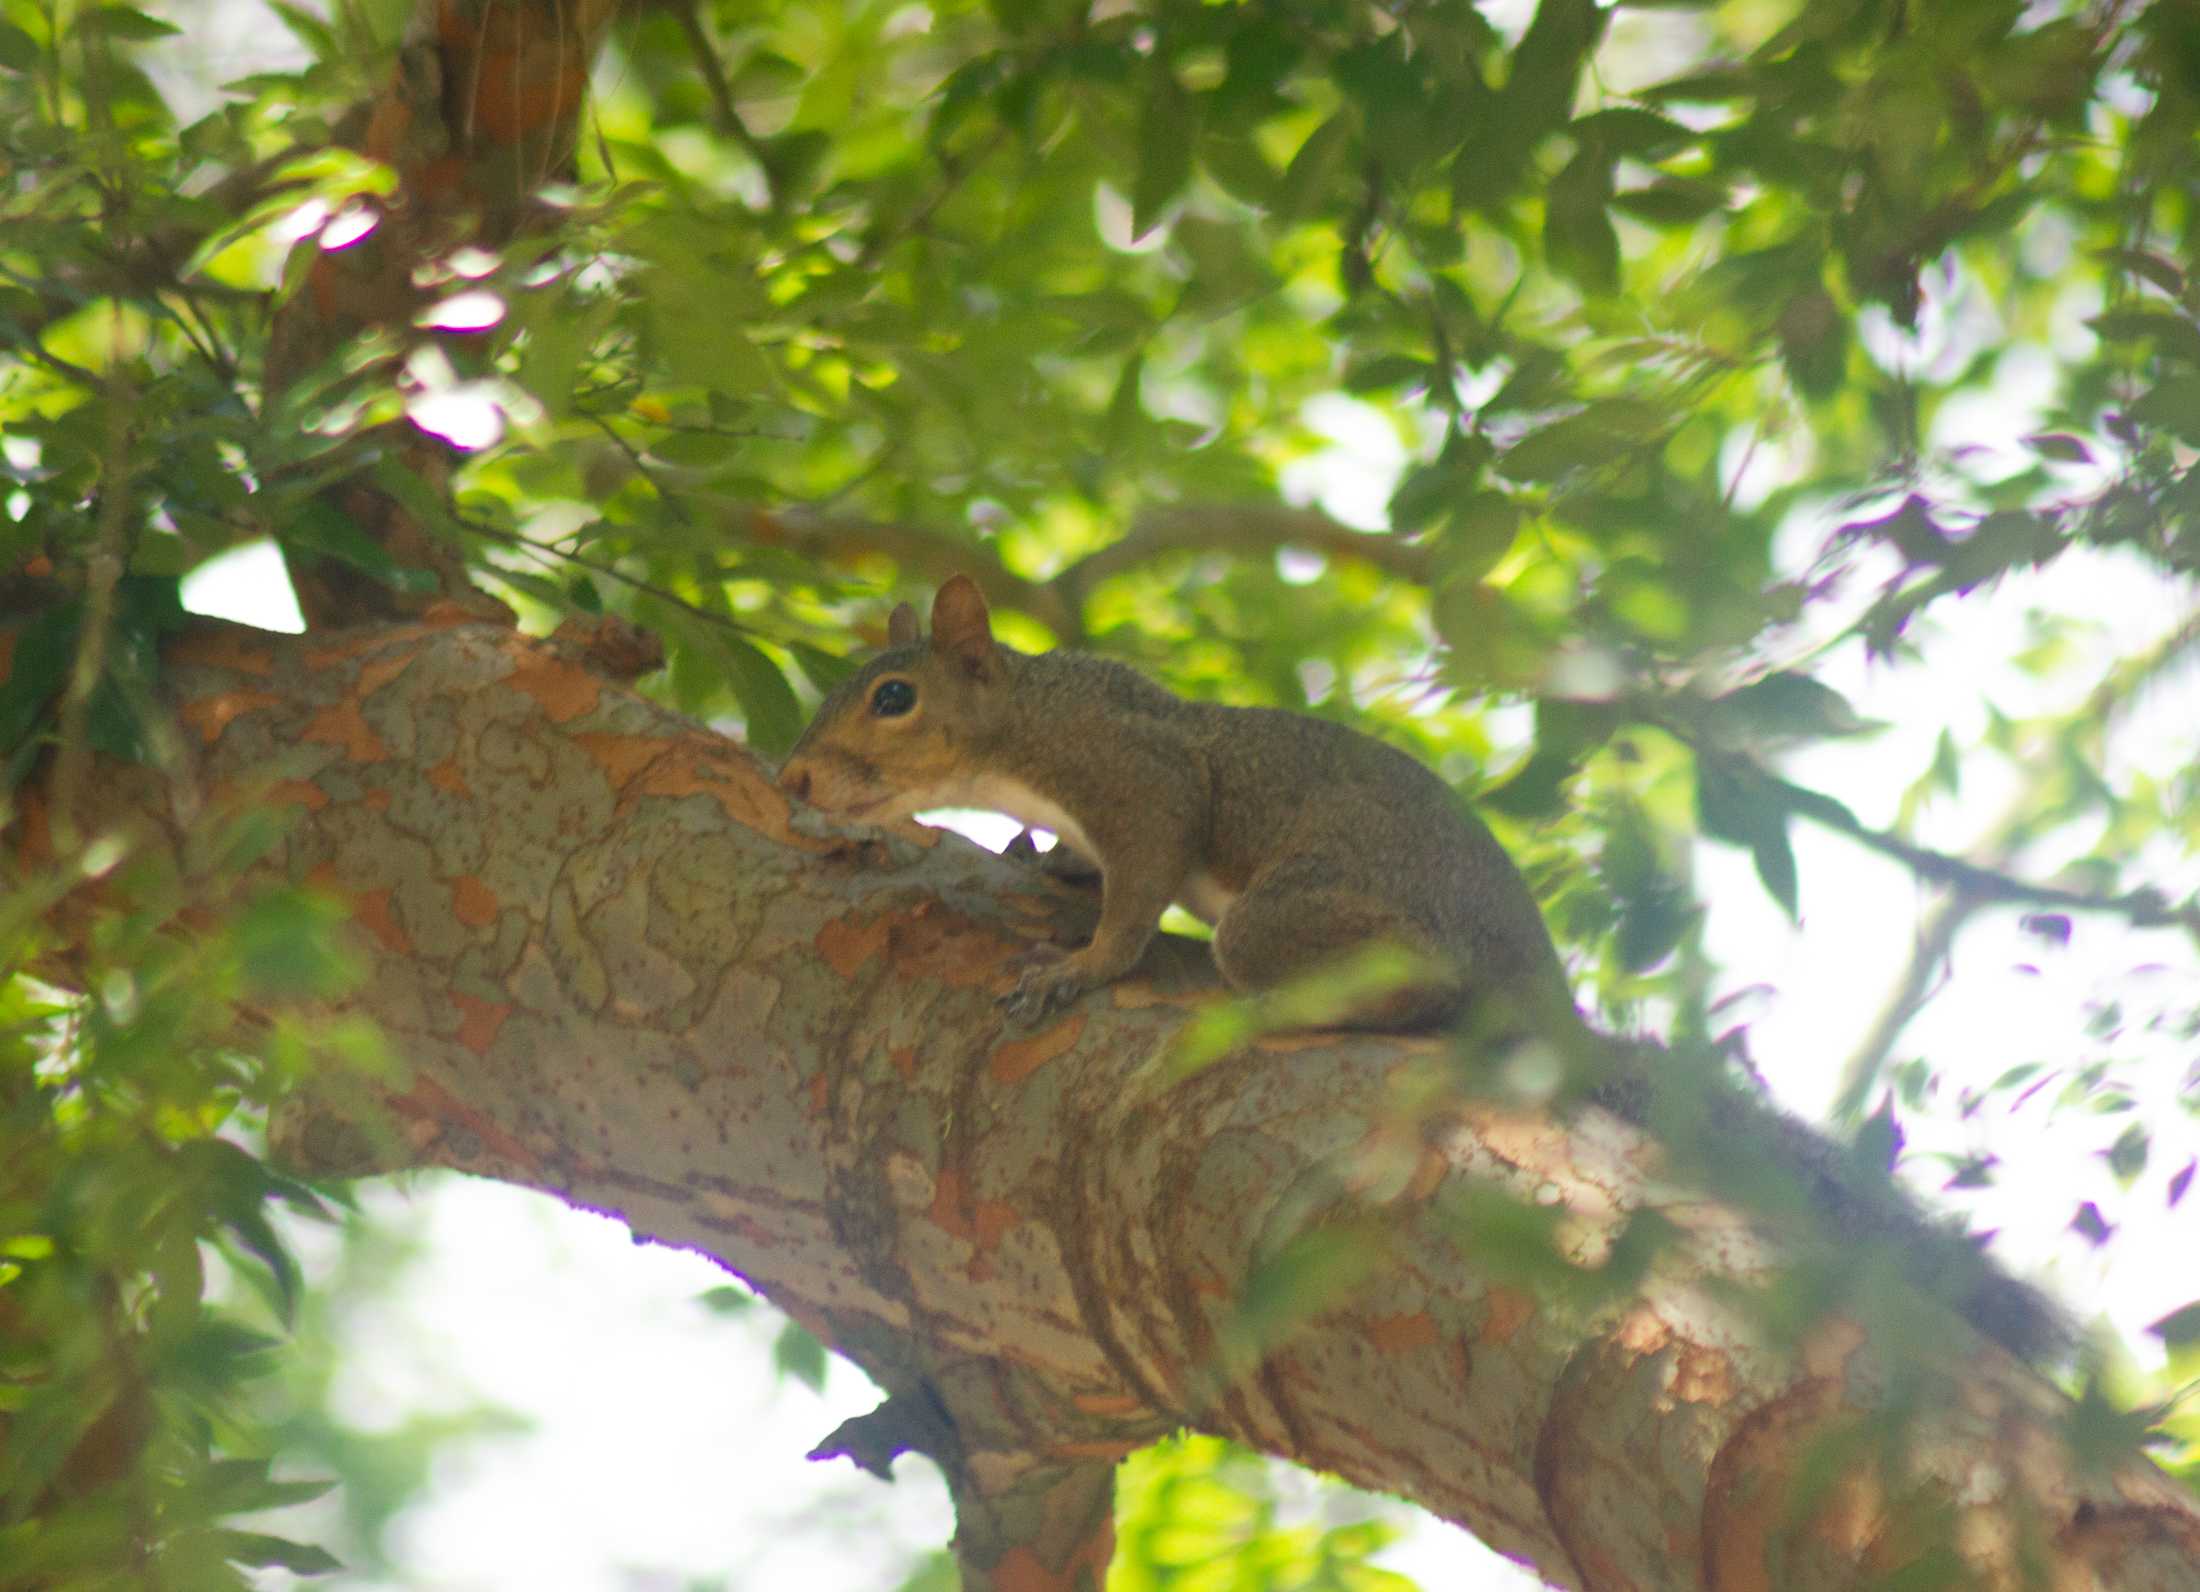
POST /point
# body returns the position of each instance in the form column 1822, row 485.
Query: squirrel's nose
column 796, row 783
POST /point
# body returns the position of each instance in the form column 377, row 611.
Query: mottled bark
column 621, row 969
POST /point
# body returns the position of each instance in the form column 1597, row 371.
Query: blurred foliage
column 1194, row 1514
column 133, row 1421
column 1666, row 314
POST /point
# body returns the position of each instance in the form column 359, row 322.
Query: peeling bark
column 622, row 969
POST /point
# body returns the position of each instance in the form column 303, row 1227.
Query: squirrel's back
column 1284, row 790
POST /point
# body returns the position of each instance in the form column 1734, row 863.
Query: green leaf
column 240, row 1486
column 1786, row 705
column 555, row 345
column 1385, row 371
column 1426, row 494
column 797, row 1353
column 311, row 31
column 1628, row 130
column 2171, row 405
column 767, row 701
column 1168, row 132
column 1594, row 437
column 1577, row 232
column 125, row 22
column 18, row 50
column 287, row 946
column 1565, row 734
column 37, row 667
column 1651, row 923
column 2060, row 446
column 1540, row 93
column 1672, row 201
column 1539, row 376
column 2127, row 1157
column 2164, row 274
column 2177, row 335
column 316, row 525
column 1313, row 169
column 1477, row 533
column 1714, row 87
column 1735, row 804
column 2179, row 1329
column 1304, row 1277
column 1126, row 409
column 727, row 1300
column 1945, row 766
column 261, row 1551
column 1814, row 341
column 823, row 670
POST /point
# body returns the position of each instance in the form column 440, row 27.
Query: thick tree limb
column 622, row 969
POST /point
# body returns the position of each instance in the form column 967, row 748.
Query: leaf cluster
column 145, row 1277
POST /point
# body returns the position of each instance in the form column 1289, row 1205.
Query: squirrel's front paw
column 1049, row 982
column 1061, row 863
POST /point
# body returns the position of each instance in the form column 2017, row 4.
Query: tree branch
column 2144, row 908
column 1937, row 936
column 1252, row 528
column 1058, row 603
column 834, row 538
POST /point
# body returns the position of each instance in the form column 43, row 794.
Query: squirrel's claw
column 1047, row 984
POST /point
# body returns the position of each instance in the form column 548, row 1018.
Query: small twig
column 956, row 173
column 30, row 349
column 803, row 528
column 1936, row 937
column 1245, row 527
column 198, row 331
column 689, row 428
column 102, row 570
column 1059, row 602
column 1741, row 468
column 544, row 551
column 721, row 97
column 671, row 499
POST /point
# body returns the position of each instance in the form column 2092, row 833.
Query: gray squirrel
column 1301, row 841
column 1298, row 839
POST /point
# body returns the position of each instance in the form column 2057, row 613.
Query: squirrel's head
column 894, row 737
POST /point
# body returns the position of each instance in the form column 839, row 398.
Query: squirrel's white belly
column 995, row 793
column 1203, row 895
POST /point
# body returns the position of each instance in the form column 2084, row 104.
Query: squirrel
column 1299, row 840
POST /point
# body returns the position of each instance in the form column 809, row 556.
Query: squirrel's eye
column 892, row 699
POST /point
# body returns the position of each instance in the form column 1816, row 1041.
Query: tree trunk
column 617, row 965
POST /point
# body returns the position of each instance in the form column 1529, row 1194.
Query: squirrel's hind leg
column 1284, row 929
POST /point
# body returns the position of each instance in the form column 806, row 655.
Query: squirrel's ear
column 961, row 630
column 901, row 626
